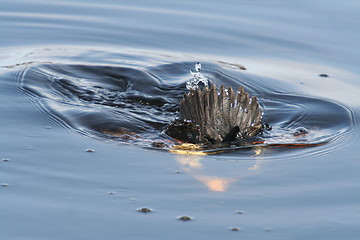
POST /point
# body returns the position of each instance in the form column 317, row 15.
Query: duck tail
column 222, row 115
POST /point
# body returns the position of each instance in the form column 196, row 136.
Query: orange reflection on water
column 216, row 184
column 192, row 164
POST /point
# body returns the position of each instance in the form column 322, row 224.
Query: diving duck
column 213, row 116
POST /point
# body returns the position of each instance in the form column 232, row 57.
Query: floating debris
column 90, row 150
column 235, row 229
column 239, row 212
column 233, row 65
column 4, row 185
column 6, row 160
column 111, row 193
column 144, row 210
column 177, row 171
column 323, row 75
column 185, row 218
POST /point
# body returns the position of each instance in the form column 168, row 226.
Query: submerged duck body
column 211, row 116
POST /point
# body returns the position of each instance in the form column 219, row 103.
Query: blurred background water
column 73, row 70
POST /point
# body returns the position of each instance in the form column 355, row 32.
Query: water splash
column 198, row 77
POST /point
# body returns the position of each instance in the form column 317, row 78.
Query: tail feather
column 219, row 113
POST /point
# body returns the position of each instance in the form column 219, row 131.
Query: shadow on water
column 134, row 103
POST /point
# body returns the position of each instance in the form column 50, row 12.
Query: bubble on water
column 300, row 131
column 198, row 77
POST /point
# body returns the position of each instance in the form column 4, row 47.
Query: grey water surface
column 87, row 87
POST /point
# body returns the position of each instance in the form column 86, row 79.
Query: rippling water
column 134, row 103
column 88, row 87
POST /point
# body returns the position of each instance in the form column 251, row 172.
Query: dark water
column 87, row 87
column 136, row 103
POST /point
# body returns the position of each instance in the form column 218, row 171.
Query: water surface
column 87, row 87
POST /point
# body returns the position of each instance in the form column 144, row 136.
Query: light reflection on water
column 196, row 167
column 57, row 190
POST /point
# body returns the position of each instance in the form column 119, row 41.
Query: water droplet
column 198, row 67
column 198, row 77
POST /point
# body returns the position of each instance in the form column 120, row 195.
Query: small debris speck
column 177, row 171
column 90, row 150
column 4, row 185
column 323, row 75
column 144, row 210
column 111, row 193
column 6, row 160
column 239, row 212
column 235, row 229
column 268, row 229
column 184, row 218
